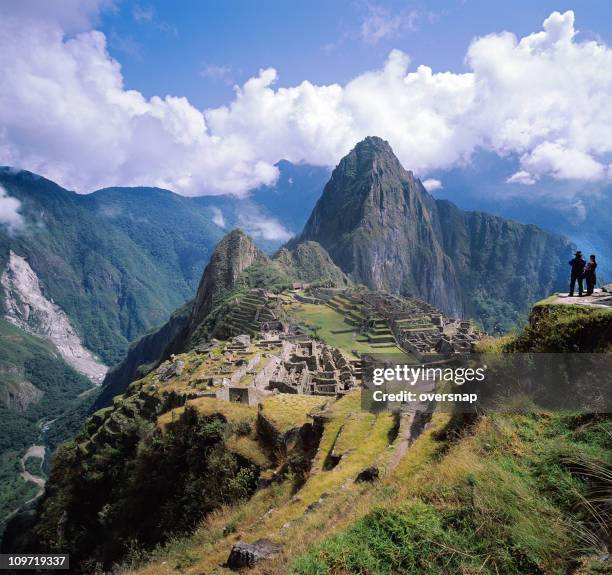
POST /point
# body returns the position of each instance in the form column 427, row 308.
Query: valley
column 84, row 277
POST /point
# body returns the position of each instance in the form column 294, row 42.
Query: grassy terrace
column 329, row 325
column 287, row 411
column 233, row 412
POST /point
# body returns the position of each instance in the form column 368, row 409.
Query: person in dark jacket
column 589, row 275
column 577, row 264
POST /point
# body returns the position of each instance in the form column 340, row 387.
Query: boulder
column 248, row 554
column 607, row 288
column 369, row 474
column 170, row 370
column 242, row 340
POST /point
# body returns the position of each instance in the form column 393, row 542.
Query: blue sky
column 199, row 49
column 206, row 97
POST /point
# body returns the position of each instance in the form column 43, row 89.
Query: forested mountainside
column 383, row 229
column 110, row 288
column 36, row 386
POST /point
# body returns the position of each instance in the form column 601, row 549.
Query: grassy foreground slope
column 509, row 493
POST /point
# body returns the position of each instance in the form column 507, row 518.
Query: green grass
column 508, row 498
column 329, row 325
column 557, row 328
column 287, row 411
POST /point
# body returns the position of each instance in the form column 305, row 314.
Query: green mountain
column 91, row 273
column 110, row 277
column 383, row 229
column 118, row 261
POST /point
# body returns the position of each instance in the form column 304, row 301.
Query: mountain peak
column 368, row 187
column 234, row 253
column 381, row 228
column 374, row 153
column 373, row 144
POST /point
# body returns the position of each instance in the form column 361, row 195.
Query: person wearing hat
column 589, row 275
column 577, row 264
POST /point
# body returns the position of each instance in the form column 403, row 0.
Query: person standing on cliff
column 589, row 275
column 577, row 264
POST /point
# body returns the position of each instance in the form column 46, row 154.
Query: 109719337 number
column 19, row 561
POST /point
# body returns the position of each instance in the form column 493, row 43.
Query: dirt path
column 405, row 440
column 37, row 451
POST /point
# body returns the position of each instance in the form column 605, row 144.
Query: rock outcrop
column 19, row 394
column 248, row 554
column 310, row 262
column 233, row 254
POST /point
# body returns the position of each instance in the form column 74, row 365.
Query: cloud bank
column 432, row 184
column 9, row 212
column 65, row 112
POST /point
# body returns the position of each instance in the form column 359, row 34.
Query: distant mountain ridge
column 383, row 229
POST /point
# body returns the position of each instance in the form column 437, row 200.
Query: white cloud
column 65, row 113
column 380, row 23
column 218, row 218
column 432, row 184
column 578, row 211
column 9, row 211
column 545, row 97
column 521, row 177
column 70, row 15
column 258, row 225
column 562, row 163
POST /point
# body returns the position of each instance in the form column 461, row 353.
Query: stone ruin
column 273, row 356
column 313, row 368
column 248, row 370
